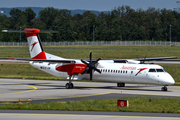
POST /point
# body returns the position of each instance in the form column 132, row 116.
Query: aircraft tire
column 71, row 86
column 120, row 84
column 164, row 88
column 67, row 86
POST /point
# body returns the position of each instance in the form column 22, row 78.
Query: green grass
column 136, row 104
column 107, row 52
column 8, row 70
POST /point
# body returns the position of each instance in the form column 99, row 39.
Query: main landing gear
column 164, row 88
column 120, row 84
column 70, row 84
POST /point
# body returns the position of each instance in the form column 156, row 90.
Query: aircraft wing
column 38, row 60
column 171, row 62
column 157, row 59
column 147, row 60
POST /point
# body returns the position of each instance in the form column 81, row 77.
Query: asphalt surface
column 13, row 90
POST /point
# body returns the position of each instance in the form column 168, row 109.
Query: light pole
column 93, row 32
column 20, row 35
column 170, row 35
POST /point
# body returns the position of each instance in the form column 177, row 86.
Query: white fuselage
column 116, row 72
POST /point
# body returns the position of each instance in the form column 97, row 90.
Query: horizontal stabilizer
column 30, row 31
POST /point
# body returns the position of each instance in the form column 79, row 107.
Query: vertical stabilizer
column 35, row 47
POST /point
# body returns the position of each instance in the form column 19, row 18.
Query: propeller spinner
column 91, row 66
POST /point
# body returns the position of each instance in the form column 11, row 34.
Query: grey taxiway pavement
column 11, row 90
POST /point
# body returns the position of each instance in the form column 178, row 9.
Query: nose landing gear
column 164, row 88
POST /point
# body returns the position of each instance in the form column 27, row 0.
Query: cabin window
column 108, row 70
column 118, row 71
column 152, row 70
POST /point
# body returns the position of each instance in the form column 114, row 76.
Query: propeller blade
column 90, row 74
column 97, row 70
column 145, row 57
column 84, row 71
column 84, row 62
column 90, row 56
column 97, row 60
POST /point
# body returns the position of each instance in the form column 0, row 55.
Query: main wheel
column 71, row 86
column 120, row 84
column 67, row 86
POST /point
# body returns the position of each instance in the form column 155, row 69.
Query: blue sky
column 100, row 5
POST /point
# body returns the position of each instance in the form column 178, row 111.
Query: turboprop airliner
column 120, row 71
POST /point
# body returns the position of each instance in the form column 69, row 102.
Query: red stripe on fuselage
column 41, row 55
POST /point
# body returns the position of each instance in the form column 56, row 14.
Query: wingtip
column 4, row 30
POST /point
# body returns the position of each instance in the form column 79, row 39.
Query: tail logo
column 33, row 45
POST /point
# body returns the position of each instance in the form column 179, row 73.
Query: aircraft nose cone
column 170, row 80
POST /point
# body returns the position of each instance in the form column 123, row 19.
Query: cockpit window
column 164, row 70
column 159, row 70
column 152, row 70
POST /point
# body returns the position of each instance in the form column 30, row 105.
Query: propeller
column 91, row 66
column 144, row 59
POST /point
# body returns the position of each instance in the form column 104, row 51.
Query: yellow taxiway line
column 34, row 88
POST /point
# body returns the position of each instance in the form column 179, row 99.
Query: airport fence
column 86, row 43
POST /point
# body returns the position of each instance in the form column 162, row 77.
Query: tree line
column 121, row 23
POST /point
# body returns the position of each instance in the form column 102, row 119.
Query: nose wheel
column 164, row 88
